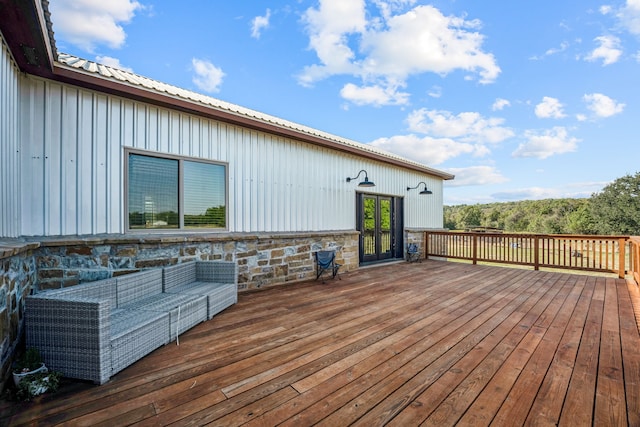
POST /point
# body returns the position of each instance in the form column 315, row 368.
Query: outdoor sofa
column 93, row 330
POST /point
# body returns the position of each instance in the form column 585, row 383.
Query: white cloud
column 545, row 144
column 259, row 23
column 435, row 92
column 500, row 103
column 466, row 126
column 89, row 23
column 373, row 95
column 609, row 50
column 424, row 40
column 425, row 150
column 602, row 106
column 629, row 16
column 552, row 51
column 112, row 62
column 445, row 136
column 385, row 50
column 207, row 76
column 563, row 46
column 387, row 7
column 605, row 9
column 549, row 108
column 475, row 175
column 329, row 28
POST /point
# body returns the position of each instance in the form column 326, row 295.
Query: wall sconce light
column 425, row 191
column 366, row 182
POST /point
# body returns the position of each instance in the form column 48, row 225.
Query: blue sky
column 520, row 100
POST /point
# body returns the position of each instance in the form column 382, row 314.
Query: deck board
column 431, row 343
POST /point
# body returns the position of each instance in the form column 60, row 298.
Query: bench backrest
column 178, row 275
column 136, row 286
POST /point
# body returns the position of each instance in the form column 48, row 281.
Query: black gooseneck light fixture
column 366, row 182
column 425, row 191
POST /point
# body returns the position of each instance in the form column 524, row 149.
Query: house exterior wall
column 9, row 145
column 72, row 167
column 62, row 195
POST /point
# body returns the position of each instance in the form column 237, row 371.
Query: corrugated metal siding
column 115, row 75
column 72, row 164
column 9, row 137
column 71, row 175
column 424, row 211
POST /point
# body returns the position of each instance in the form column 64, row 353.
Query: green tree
column 450, row 217
column 471, row 216
column 580, row 221
column 616, row 209
column 517, row 220
column 494, row 218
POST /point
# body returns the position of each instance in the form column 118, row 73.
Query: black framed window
column 175, row 193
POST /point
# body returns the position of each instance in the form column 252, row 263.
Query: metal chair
column 413, row 252
column 326, row 263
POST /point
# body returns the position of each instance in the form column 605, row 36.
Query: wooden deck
column 431, row 343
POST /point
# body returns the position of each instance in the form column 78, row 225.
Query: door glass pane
column 369, row 232
column 153, row 192
column 204, row 195
column 385, row 226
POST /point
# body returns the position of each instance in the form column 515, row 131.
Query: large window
column 175, row 193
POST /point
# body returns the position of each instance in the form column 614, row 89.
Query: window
column 175, row 193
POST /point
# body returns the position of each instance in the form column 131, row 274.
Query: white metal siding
column 73, row 167
column 9, row 148
column 424, row 211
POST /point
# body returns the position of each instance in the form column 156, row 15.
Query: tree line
column 613, row 211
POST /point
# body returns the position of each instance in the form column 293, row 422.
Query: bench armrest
column 217, row 271
column 72, row 335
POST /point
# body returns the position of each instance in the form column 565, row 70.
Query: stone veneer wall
column 263, row 260
column 416, row 236
column 18, row 276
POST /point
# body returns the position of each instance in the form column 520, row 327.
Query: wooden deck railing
column 577, row 252
column 634, row 254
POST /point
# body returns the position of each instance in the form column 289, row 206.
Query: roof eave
column 25, row 29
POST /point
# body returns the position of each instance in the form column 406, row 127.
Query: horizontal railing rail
column 578, row 252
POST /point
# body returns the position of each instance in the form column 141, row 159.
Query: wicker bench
column 94, row 330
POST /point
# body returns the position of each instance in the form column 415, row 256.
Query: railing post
column 426, row 245
column 536, row 253
column 475, row 249
column 621, row 252
column 634, row 254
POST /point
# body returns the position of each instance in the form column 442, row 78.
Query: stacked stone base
column 263, row 259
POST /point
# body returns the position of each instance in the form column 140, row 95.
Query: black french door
column 378, row 226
